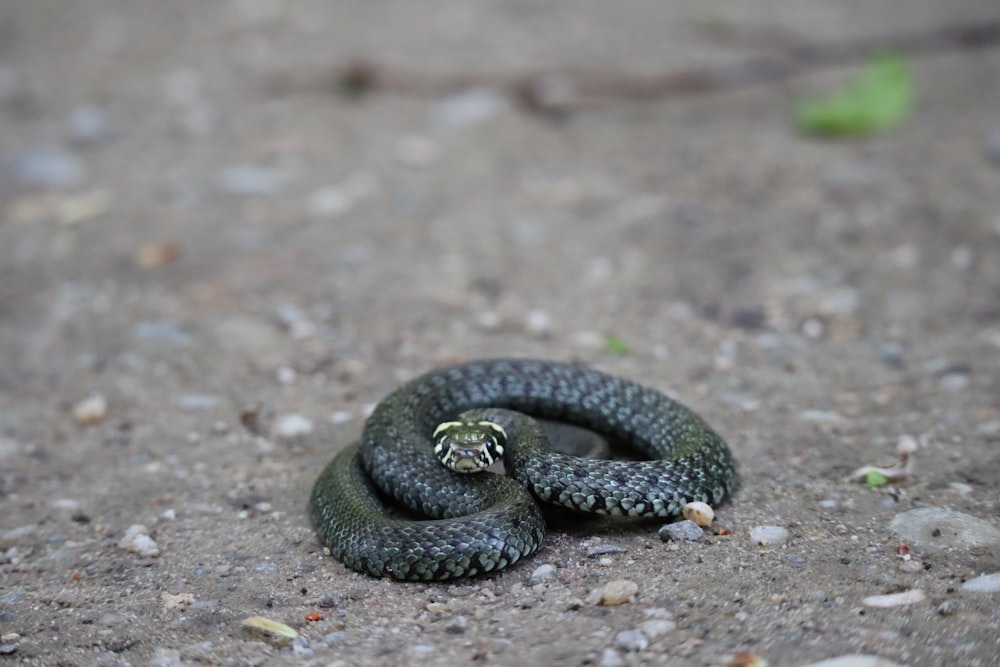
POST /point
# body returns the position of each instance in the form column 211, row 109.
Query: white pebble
column 591, row 340
column 895, row 599
column 489, row 320
column 194, row 401
column 856, row 660
column 286, row 375
column 611, row 658
column 987, row 583
column 470, row 107
column 542, row 573
column 91, row 410
column 701, row 513
column 632, row 640
column 416, row 151
column 293, row 426
column 657, row 627
column 138, row 541
column 66, row 504
column 250, row 179
column 340, row 417
column 768, row 536
column 939, row 529
column 906, row 444
column 538, row 322
column 618, row 592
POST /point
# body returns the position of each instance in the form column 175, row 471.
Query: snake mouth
column 465, row 462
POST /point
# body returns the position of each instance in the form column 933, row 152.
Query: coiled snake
column 484, row 522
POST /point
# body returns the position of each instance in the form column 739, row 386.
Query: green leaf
column 616, row 346
column 874, row 479
column 878, row 100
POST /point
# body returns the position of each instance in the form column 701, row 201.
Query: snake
column 388, row 507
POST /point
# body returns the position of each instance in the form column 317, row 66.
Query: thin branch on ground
column 565, row 92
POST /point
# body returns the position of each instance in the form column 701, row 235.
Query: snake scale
column 483, row 522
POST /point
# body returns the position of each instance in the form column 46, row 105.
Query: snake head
column 469, row 445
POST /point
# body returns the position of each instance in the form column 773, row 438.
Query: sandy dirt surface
column 199, row 232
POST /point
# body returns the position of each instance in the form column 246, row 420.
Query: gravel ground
column 208, row 279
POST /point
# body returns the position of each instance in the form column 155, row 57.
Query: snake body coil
column 484, row 522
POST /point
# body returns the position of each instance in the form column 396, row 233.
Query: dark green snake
column 484, row 522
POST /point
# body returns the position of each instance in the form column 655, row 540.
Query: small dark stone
column 604, row 549
column 681, row 531
column 749, row 318
column 458, row 626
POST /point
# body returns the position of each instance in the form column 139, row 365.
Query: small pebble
column 457, row 626
column 66, row 504
column 293, row 426
column 137, row 540
column 539, row 322
column 768, row 536
column 300, row 646
column 681, row 531
column 248, row 179
column 91, row 410
column 168, row 332
column 329, row 200
column 618, row 592
column 176, row 601
column 194, row 401
column 89, row 125
column 340, row 417
column 470, row 107
column 701, row 513
column 50, row 168
column 632, row 640
column 856, row 660
column 611, row 658
column 657, row 627
column 416, row 151
column 987, row 583
column 604, row 549
column 892, row 355
column 295, row 321
column 947, row 608
column 895, row 599
column 542, row 573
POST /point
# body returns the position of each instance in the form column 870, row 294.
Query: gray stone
column 987, row 583
column 542, row 573
column 681, row 531
column 937, row 528
column 50, row 168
